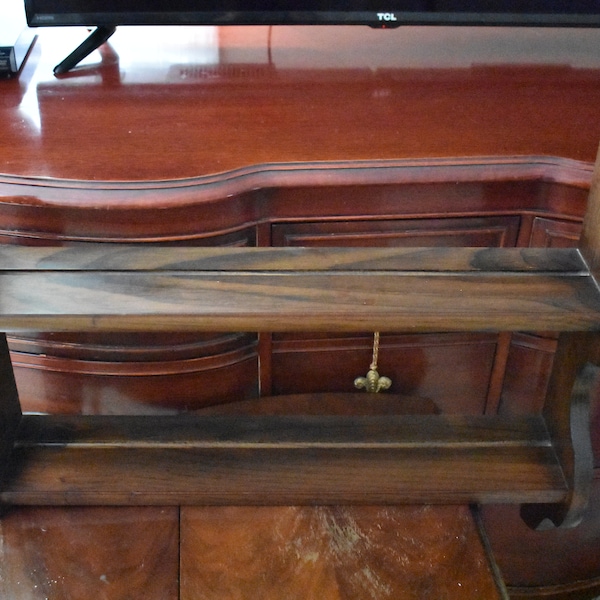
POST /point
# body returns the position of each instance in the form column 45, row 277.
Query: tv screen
column 106, row 15
column 383, row 13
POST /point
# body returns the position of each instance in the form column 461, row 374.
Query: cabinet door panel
column 454, row 232
column 554, row 233
column 453, row 370
column 527, row 373
column 134, row 373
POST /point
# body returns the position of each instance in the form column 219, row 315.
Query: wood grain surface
column 101, row 553
column 337, row 553
column 283, row 460
column 258, row 289
column 309, row 95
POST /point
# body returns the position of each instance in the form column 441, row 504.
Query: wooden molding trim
column 181, row 192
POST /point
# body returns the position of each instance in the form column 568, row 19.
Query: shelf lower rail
column 75, row 460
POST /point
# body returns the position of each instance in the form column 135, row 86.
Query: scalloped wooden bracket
column 579, row 468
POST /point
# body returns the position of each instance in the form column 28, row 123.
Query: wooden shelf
column 541, row 460
column 291, row 289
column 283, row 460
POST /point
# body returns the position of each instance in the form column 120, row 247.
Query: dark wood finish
column 292, row 459
column 132, row 259
column 300, row 289
column 334, row 553
column 526, row 374
column 10, row 408
column 327, row 405
column 283, row 460
column 93, row 552
column 486, row 232
column 573, row 377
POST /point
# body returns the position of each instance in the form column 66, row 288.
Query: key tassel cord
column 373, row 382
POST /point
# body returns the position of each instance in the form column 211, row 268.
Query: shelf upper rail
column 295, row 289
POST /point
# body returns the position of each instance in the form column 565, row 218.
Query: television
column 106, row 15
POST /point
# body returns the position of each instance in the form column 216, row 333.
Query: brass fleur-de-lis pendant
column 373, row 382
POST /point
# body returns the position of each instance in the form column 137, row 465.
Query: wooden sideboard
column 307, row 137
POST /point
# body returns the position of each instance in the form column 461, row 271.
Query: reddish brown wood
column 497, row 374
column 463, row 376
column 336, row 553
column 562, row 564
column 555, row 233
column 528, row 368
column 460, row 232
column 103, row 553
column 112, row 379
column 512, row 114
column 107, row 386
column 448, row 112
column 204, row 213
column 453, row 369
column 590, row 237
column 132, row 373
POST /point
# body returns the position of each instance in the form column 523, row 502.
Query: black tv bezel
column 106, row 22
column 339, row 16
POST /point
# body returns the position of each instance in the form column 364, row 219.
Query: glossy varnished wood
column 536, row 125
column 103, row 553
column 334, row 553
column 290, row 81
column 452, row 369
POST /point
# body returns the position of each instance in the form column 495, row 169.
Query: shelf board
column 296, row 289
column 283, row 460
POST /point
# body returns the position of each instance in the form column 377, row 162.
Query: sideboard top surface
column 166, row 103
